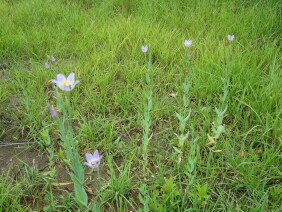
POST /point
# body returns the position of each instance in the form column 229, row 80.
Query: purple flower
column 144, row 49
column 53, row 59
column 188, row 43
column 230, row 37
column 65, row 84
column 53, row 112
column 47, row 66
column 93, row 161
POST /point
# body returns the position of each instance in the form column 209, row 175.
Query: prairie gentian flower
column 53, row 112
column 47, row 66
column 144, row 49
column 53, row 59
column 65, row 84
column 188, row 43
column 93, row 161
column 230, row 37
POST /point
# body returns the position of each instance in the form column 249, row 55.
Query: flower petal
column 76, row 82
column 101, row 156
column 96, row 155
column 71, row 78
column 64, row 88
column 60, row 78
column 88, row 164
column 89, row 157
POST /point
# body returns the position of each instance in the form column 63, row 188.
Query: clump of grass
column 11, row 194
column 116, row 193
column 26, row 190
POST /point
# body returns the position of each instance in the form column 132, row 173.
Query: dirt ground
column 12, row 155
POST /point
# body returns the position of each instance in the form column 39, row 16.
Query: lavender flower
column 47, row 66
column 188, row 43
column 53, row 59
column 230, row 37
column 93, row 161
column 144, row 49
column 65, row 84
column 53, row 112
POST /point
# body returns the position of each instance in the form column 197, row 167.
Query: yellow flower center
column 94, row 162
column 66, row 83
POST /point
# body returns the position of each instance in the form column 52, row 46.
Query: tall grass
column 100, row 41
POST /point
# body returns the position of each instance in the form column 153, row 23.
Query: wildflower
column 230, row 37
column 144, row 49
column 47, row 66
column 65, row 84
column 93, row 161
column 53, row 112
column 188, row 43
column 53, row 59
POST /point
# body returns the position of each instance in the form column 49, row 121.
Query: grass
column 100, row 41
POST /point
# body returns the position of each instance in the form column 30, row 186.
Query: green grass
column 101, row 42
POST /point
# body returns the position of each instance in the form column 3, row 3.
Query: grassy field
column 177, row 133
